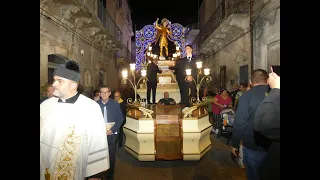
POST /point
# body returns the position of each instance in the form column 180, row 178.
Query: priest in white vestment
column 73, row 139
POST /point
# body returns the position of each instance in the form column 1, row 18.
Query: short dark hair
column 259, row 76
column 189, row 46
column 104, row 86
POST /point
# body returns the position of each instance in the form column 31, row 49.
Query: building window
column 244, row 76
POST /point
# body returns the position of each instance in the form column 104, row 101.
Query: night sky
column 146, row 12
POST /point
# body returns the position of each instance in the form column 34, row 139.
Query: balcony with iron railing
column 223, row 11
column 88, row 19
column 108, row 23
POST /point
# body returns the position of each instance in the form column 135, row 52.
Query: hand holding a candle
column 189, row 78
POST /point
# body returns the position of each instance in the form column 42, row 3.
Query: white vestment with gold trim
column 73, row 141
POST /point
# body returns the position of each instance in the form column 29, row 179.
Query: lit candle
column 174, row 55
column 132, row 66
column 149, row 61
column 154, row 56
column 206, row 72
column 178, row 54
column 199, row 64
column 124, row 73
column 150, row 48
column 143, row 72
column 148, row 53
column 188, row 72
column 177, row 48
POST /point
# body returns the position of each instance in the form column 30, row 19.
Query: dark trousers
column 151, row 86
column 120, row 137
column 183, row 90
column 253, row 160
column 112, row 139
column 193, row 89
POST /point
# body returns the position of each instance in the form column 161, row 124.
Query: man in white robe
column 73, row 139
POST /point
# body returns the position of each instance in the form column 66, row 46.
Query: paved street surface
column 215, row 165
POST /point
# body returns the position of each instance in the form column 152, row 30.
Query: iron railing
column 108, row 23
column 225, row 8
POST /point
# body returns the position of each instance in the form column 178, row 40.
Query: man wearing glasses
column 112, row 113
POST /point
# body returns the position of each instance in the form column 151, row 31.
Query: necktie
column 105, row 114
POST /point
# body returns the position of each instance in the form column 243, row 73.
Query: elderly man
column 166, row 100
column 73, row 140
column 112, row 113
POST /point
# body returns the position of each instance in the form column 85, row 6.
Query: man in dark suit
column 112, row 113
column 188, row 62
column 152, row 71
column 267, row 124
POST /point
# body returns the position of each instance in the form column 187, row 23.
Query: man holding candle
column 186, row 66
column 152, row 71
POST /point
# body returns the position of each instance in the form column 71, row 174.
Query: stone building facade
column 84, row 31
column 225, row 40
column 266, row 34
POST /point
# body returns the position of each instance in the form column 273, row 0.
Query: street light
column 125, row 79
column 206, row 77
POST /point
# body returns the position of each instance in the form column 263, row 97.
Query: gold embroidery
column 66, row 163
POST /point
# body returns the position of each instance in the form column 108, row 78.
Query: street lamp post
column 206, row 77
column 125, row 79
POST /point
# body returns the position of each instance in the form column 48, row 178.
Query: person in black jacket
column 122, row 103
column 243, row 127
column 267, row 124
column 188, row 62
column 152, row 71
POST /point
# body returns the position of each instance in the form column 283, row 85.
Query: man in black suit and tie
column 152, row 71
column 188, row 62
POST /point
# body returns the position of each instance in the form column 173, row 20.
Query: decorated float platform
column 171, row 132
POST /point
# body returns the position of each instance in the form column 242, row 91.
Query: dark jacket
column 113, row 112
column 181, row 66
column 267, row 124
column 123, row 110
column 243, row 127
column 152, row 71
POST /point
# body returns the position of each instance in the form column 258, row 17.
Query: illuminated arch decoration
column 148, row 35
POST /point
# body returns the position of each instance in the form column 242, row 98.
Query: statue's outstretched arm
column 157, row 26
